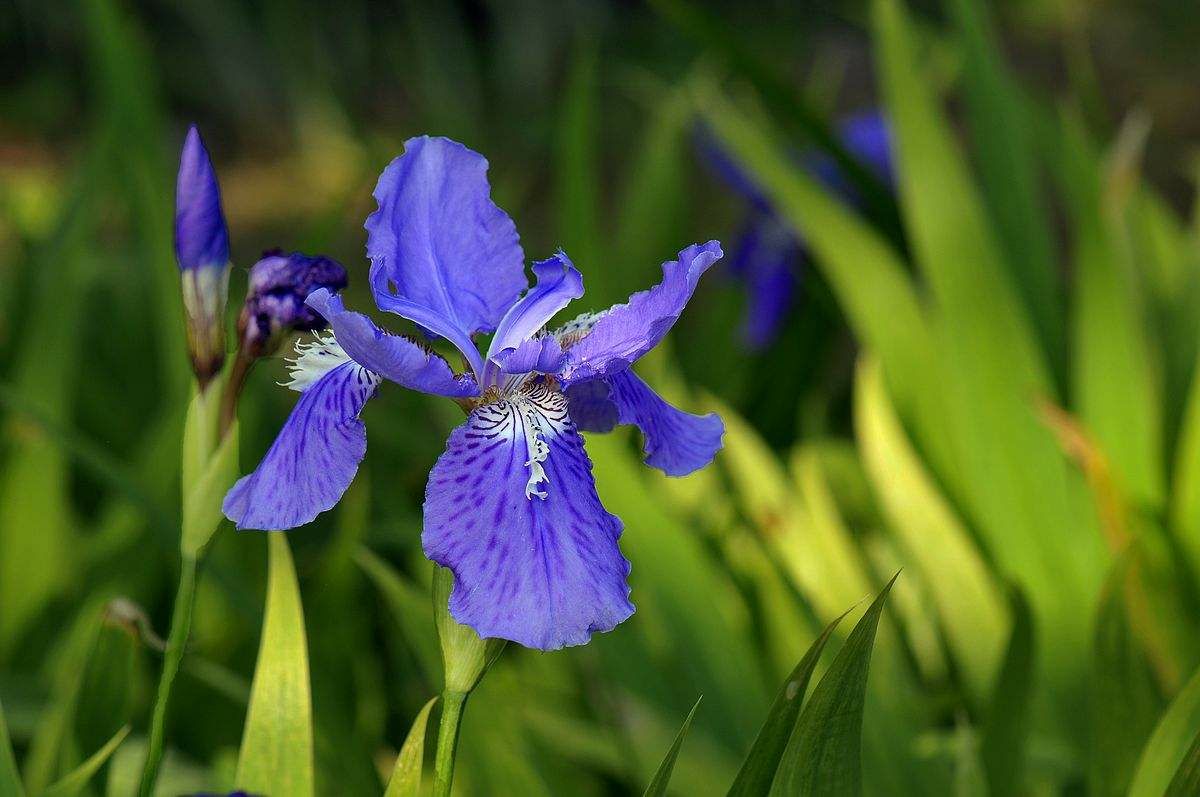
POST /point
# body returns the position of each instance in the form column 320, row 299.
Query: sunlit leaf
column 824, row 755
column 758, row 770
column 406, row 776
column 277, row 743
column 662, row 777
column 968, row 603
column 1187, row 778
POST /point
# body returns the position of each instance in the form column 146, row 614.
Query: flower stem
column 452, row 708
column 181, row 623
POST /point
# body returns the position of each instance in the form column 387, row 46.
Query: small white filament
column 314, row 359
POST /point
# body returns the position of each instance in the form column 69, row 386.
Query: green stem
column 452, row 708
column 181, row 624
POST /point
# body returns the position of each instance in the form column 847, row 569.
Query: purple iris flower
column 769, row 257
column 275, row 295
column 202, row 252
column 511, row 506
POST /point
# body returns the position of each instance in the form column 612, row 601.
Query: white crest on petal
column 577, row 328
column 314, row 359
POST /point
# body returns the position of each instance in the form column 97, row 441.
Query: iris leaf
column 969, row 605
column 1006, row 726
column 75, row 782
column 824, row 755
column 662, row 777
column 10, row 779
column 758, row 770
column 277, row 743
column 1168, row 745
column 1187, row 778
column 406, row 776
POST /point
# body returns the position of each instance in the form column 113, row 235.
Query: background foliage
column 989, row 382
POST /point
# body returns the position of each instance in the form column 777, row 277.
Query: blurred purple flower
column 511, row 506
column 275, row 295
column 202, row 252
column 769, row 258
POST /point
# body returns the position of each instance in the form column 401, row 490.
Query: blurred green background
column 988, row 381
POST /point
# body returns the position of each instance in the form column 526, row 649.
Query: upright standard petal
column 627, row 331
column 511, row 507
column 558, row 282
column 394, row 357
column 201, row 238
column 439, row 247
column 674, row 441
column 315, row 456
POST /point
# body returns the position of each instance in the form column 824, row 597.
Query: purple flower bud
column 202, row 251
column 275, row 306
column 201, row 239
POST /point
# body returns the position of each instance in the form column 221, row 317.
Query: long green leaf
column 867, row 275
column 578, row 199
column 406, row 776
column 662, row 776
column 1169, row 743
column 968, row 602
column 824, row 755
column 277, row 743
column 1020, row 491
column 1006, row 726
column 1186, row 782
column 410, row 608
column 10, row 778
column 758, row 770
column 1008, row 170
column 1109, row 330
column 75, row 782
column 1125, row 701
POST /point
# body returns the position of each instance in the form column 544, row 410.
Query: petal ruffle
column 558, row 282
column 627, row 331
column 537, row 355
column 394, row 357
column 545, row 572
column 314, row 458
column 674, row 441
column 452, row 256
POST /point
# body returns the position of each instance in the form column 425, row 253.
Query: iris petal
column 558, row 282
column 391, row 356
column 451, row 254
column 674, row 441
column 545, row 572
column 314, row 458
column 627, row 331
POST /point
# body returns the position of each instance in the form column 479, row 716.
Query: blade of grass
column 578, row 184
column 824, row 755
column 662, row 777
column 758, row 770
column 406, row 776
column 277, row 744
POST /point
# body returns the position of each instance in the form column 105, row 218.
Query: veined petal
column 558, row 282
column 511, row 507
column 674, row 441
column 391, row 356
column 591, row 407
column 315, row 456
column 627, row 331
column 442, row 253
column 536, row 355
